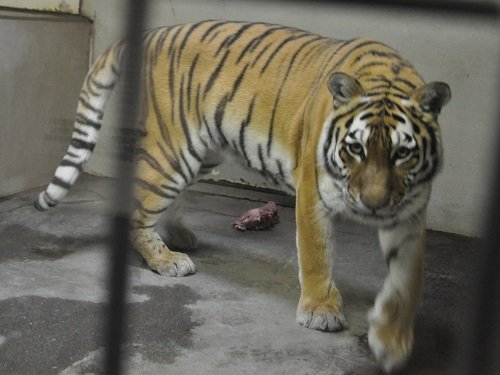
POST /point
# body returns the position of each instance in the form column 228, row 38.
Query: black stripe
column 142, row 154
column 379, row 79
column 215, row 74
column 138, row 204
column 271, row 124
column 190, row 80
column 416, row 128
column 161, row 121
column 153, row 188
column 160, row 42
column 99, row 85
column 280, row 169
column 376, row 93
column 243, row 127
column 398, row 118
column 49, row 201
column 81, row 132
column 400, row 109
column 400, row 96
column 219, row 115
column 138, row 224
column 278, row 96
column 367, row 115
column 70, row 163
column 205, row 123
column 301, row 48
column 171, row 48
column 185, row 125
column 173, row 162
column 257, row 58
column 212, row 28
column 186, row 163
column 147, row 38
column 61, row 183
column 234, row 145
column 88, row 106
column 264, row 169
column 257, row 40
column 89, row 91
column 185, row 39
column 230, row 40
column 349, row 122
column 72, row 154
column 170, row 188
column 171, row 83
column 378, row 87
column 368, row 65
column 237, row 82
column 291, row 38
column 377, row 53
column 78, row 143
column 346, row 55
column 316, row 52
column 406, row 82
column 397, row 88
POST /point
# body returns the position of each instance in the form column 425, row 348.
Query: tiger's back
column 253, row 86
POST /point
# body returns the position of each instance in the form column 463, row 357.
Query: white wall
column 461, row 51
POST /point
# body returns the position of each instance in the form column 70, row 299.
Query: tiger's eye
column 402, row 152
column 356, row 149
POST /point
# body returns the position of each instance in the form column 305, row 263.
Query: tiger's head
column 380, row 148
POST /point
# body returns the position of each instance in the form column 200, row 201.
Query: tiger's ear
column 432, row 96
column 343, row 87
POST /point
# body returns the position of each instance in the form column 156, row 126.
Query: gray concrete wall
column 43, row 60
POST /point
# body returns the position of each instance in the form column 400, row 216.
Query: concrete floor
column 235, row 316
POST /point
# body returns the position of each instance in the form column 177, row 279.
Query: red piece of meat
column 261, row 218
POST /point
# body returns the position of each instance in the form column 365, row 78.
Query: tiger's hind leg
column 157, row 193
column 178, row 236
column 157, row 186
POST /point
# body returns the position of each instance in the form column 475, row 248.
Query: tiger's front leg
column 320, row 305
column 391, row 320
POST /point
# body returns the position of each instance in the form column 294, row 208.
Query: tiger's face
column 379, row 152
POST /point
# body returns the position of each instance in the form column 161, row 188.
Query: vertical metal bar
column 481, row 342
column 121, row 245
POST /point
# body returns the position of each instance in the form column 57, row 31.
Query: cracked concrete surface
column 235, row 316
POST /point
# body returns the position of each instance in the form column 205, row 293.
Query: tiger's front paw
column 323, row 316
column 390, row 343
column 171, row 263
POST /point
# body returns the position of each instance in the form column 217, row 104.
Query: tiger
column 347, row 126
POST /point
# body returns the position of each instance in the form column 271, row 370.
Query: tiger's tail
column 97, row 87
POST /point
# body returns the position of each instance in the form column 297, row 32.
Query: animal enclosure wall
column 43, row 61
column 458, row 50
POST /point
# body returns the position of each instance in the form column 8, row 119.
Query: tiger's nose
column 375, row 198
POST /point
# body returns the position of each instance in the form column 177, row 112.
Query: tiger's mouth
column 411, row 203
column 383, row 213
